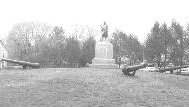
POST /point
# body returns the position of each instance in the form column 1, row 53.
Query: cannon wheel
column 129, row 73
column 132, row 73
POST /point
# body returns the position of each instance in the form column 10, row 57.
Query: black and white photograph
column 94, row 53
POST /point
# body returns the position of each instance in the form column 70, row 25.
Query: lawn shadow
column 133, row 77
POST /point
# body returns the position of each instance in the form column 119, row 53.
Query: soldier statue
column 104, row 30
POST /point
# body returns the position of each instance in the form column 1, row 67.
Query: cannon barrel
column 130, row 71
column 172, row 68
column 23, row 63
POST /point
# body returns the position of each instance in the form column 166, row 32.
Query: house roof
column 3, row 44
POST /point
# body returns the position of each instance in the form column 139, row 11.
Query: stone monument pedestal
column 103, row 56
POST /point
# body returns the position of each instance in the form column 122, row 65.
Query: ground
column 86, row 87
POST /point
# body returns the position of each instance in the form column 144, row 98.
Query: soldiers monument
column 103, row 51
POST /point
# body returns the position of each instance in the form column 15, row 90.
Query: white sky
column 131, row 16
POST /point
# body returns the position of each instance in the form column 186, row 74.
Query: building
column 3, row 54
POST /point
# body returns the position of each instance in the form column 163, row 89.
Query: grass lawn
column 86, row 87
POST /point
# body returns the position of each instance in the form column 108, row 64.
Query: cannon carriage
column 171, row 69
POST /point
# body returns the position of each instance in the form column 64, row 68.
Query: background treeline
column 127, row 47
column 53, row 47
column 167, row 44
column 49, row 46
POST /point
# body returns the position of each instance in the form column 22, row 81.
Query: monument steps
column 103, row 61
column 104, row 66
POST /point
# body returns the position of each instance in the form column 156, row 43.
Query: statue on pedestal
column 103, row 52
column 104, row 30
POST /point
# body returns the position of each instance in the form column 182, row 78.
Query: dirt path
column 86, row 87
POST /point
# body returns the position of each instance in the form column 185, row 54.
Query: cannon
column 23, row 63
column 131, row 70
column 171, row 69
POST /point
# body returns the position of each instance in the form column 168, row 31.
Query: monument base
column 103, row 63
column 103, row 56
